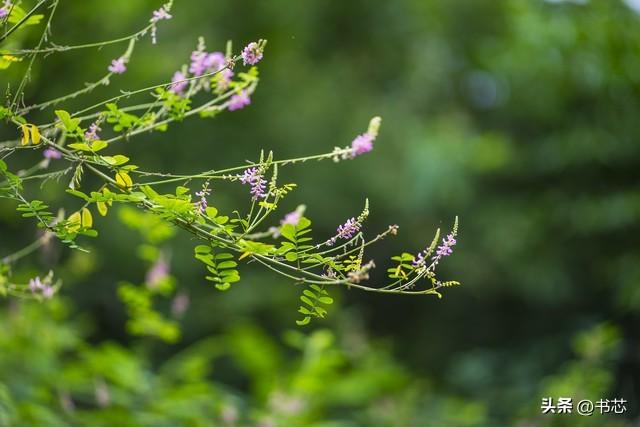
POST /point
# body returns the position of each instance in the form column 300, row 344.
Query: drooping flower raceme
column 239, row 100
column 158, row 15
column 252, row 54
column 117, row 66
column 253, row 177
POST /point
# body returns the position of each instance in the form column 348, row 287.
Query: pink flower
column 362, row 144
column 117, row 66
column 178, row 85
column 239, row 100
column 158, row 15
column 6, row 7
column 158, row 272
column 52, row 154
column 251, row 54
column 92, row 133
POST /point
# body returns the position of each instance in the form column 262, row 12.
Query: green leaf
column 116, row 160
column 211, row 212
column 202, row 249
column 81, row 146
column 68, row 123
column 99, row 145
column 304, row 321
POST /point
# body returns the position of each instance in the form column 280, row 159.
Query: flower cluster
column 202, row 204
column 92, row 133
column 292, row 218
column 252, row 54
column 6, row 7
column 361, row 144
column 158, row 15
column 239, row 100
column 345, row 231
column 38, row 288
column 118, row 66
column 445, row 248
column 202, row 63
column 52, row 154
column 253, row 177
column 157, row 273
column 178, row 83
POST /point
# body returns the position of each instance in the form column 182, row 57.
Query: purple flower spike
column 92, row 133
column 117, row 66
column 345, row 231
column 239, row 101
column 362, row 144
column 202, row 204
column 203, row 62
column 214, row 61
column 253, row 177
column 445, row 248
column 292, row 218
column 177, row 84
column 251, row 54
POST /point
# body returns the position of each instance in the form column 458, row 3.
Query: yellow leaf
column 102, row 208
column 75, row 222
column 79, row 220
column 87, row 218
column 25, row 134
column 124, row 180
column 35, row 135
column 244, row 255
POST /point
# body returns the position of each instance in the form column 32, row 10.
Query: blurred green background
column 519, row 116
